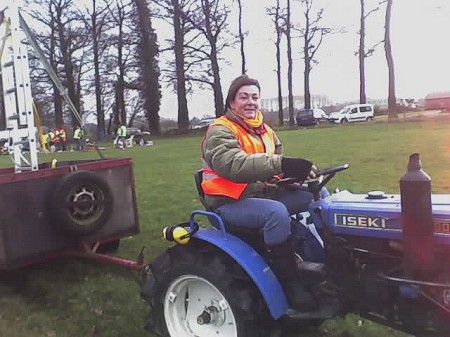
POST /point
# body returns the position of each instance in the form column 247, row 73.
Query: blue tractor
column 382, row 256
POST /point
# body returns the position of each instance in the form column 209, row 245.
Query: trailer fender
column 253, row 264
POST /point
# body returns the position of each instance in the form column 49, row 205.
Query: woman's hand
column 312, row 173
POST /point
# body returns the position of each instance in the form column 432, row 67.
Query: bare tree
column 2, row 107
column 241, row 38
column 120, row 14
column 312, row 33
column 392, row 101
column 96, row 23
column 210, row 19
column 70, row 38
column 2, row 102
column 289, row 57
column 277, row 16
column 42, row 84
column 148, row 53
column 65, row 41
column 175, row 12
column 54, row 62
column 362, row 52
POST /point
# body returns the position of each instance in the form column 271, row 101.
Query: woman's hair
column 235, row 85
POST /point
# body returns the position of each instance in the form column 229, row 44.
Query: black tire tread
column 57, row 212
column 249, row 309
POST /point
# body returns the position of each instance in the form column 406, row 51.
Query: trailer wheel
column 200, row 291
column 81, row 203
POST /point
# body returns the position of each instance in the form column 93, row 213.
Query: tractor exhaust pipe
column 417, row 219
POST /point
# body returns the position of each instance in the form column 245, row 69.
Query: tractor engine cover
column 362, row 215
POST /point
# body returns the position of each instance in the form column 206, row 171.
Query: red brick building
column 438, row 100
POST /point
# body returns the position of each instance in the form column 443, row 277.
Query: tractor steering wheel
column 323, row 176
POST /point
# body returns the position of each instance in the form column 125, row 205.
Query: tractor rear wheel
column 199, row 291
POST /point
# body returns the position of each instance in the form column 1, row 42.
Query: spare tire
column 81, row 203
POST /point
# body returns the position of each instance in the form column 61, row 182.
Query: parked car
column 203, row 123
column 131, row 131
column 352, row 113
column 307, row 117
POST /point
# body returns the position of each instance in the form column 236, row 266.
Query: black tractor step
column 313, row 267
column 311, row 273
column 328, row 307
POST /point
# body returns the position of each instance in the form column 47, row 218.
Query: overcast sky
column 420, row 30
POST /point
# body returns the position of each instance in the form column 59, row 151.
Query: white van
column 352, row 113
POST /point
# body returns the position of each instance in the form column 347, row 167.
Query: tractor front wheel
column 199, row 291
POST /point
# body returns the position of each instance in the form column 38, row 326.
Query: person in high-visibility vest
column 47, row 141
column 62, row 138
column 78, row 136
column 50, row 139
column 242, row 160
column 121, row 135
column 56, row 140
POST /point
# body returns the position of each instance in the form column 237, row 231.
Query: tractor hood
column 379, row 215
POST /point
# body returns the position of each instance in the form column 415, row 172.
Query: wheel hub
column 195, row 307
column 83, row 202
column 211, row 315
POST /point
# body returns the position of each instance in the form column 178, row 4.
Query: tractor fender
column 253, row 264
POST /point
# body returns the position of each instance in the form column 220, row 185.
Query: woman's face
column 246, row 101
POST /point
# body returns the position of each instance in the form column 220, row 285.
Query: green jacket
column 222, row 153
column 122, row 131
column 78, row 134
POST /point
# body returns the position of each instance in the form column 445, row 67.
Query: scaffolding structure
column 15, row 37
column 18, row 101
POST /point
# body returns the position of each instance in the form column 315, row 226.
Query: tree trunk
column 120, row 84
column 362, row 56
column 149, row 66
column 241, row 38
column 218, row 96
column 57, row 98
column 392, row 104
column 96, row 33
column 183, row 113
column 307, row 93
column 2, row 107
column 277, row 44
column 69, row 70
column 289, row 56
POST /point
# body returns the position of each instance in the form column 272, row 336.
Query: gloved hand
column 296, row 167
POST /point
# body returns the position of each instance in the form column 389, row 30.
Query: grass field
column 81, row 298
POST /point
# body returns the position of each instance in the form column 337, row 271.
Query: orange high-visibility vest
column 212, row 183
column 62, row 134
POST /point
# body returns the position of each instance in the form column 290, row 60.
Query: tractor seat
column 253, row 238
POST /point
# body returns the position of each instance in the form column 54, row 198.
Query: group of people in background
column 56, row 140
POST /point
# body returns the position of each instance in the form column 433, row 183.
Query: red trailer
column 76, row 208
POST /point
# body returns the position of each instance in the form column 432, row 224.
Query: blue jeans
column 272, row 216
column 80, row 144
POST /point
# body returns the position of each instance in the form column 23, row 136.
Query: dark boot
column 282, row 261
